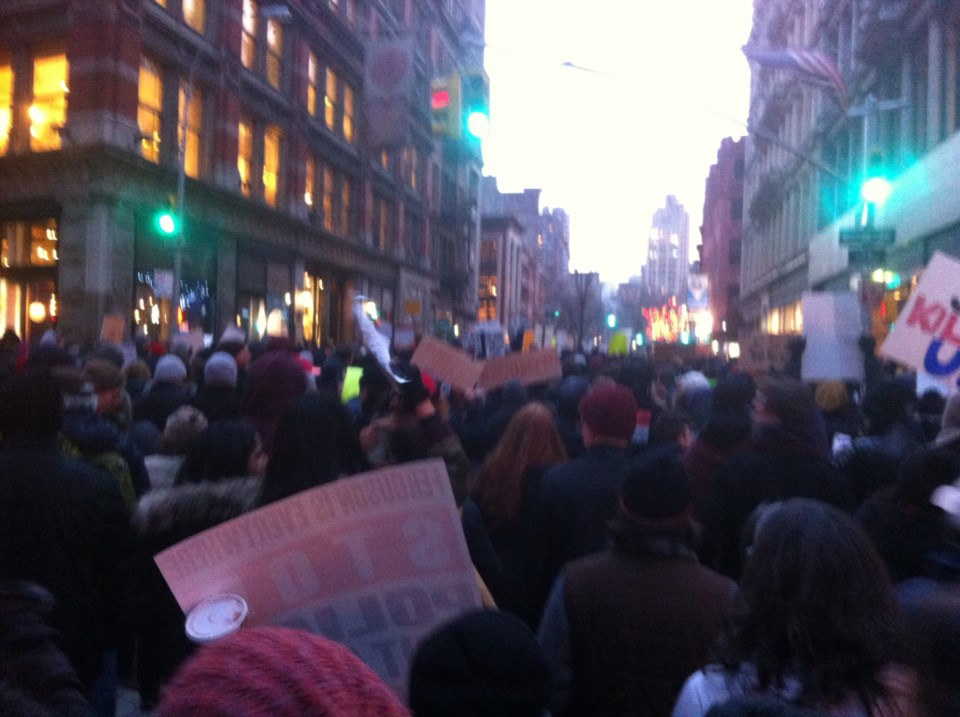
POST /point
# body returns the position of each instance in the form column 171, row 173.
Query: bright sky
column 609, row 143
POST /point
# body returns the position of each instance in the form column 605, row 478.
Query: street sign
column 867, row 236
column 859, row 257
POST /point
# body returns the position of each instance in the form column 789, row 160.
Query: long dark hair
column 222, row 451
column 817, row 606
column 315, row 444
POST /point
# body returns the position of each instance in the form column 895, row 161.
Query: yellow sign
column 412, row 307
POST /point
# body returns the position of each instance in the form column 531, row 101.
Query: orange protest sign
column 447, row 363
column 375, row 561
column 528, row 368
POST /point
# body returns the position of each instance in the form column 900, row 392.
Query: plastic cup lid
column 216, row 617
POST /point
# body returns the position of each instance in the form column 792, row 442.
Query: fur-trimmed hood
column 168, row 515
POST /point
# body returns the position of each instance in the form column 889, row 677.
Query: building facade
column 809, row 150
column 721, row 234
column 296, row 178
column 668, row 252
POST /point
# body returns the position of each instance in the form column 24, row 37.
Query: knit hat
column 220, row 370
column 831, row 396
column 232, row 335
column 170, row 369
column 657, row 488
column 182, row 428
column 482, row 663
column 277, row 672
column 610, row 411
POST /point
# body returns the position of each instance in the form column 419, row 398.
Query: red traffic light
column 440, row 99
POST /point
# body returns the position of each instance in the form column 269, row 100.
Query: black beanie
column 484, row 663
column 657, row 487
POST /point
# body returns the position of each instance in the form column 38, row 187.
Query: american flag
column 813, row 66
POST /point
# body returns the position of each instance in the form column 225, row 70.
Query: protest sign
column 832, row 329
column 528, row 368
column 111, row 331
column 447, row 363
column 926, row 335
column 375, row 561
column 763, row 353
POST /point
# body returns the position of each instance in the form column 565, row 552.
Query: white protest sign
column 832, row 328
column 375, row 561
column 926, row 335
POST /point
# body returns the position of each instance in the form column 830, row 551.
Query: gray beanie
column 170, row 369
column 220, row 370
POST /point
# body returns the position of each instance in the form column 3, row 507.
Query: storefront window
column 6, row 105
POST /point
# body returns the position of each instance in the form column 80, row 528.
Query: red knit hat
column 610, row 410
column 277, row 672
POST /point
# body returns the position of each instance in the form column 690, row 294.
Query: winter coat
column 160, row 400
column 36, row 678
column 163, row 518
column 637, row 626
column 63, row 525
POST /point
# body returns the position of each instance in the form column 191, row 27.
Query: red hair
column 531, row 441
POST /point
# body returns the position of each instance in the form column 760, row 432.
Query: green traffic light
column 478, row 124
column 167, row 223
column 876, row 190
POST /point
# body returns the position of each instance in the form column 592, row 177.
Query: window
column 245, row 154
column 330, row 99
column 161, row 3
column 344, row 206
column 195, row 14
column 274, row 51
column 383, row 230
column 309, row 181
column 149, row 110
column 348, row 113
column 248, row 43
column 271, row 164
column 312, row 84
column 49, row 109
column 6, row 105
column 193, row 124
column 328, row 199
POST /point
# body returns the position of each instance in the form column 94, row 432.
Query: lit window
column 195, row 14
column 309, row 181
column 245, row 155
column 312, row 84
column 328, row 199
column 248, row 43
column 6, row 105
column 49, row 109
column 148, row 111
column 330, row 99
column 194, row 122
column 384, row 224
column 271, row 164
column 344, row 206
column 348, row 113
column 274, row 51
column 161, row 3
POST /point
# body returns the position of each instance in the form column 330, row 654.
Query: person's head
column 220, row 371
column 817, row 605
column 671, row 427
column 654, row 505
column 608, row 415
column 411, row 391
column 183, row 427
column 482, row 664
column 234, row 342
column 315, row 444
column 784, row 401
column 277, row 672
column 31, row 402
column 107, row 380
column 228, row 448
column 170, row 369
column 885, row 404
column 831, row 397
column 531, row 440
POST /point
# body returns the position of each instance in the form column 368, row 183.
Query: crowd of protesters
column 650, row 538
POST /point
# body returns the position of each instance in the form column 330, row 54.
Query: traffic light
column 875, row 189
column 612, row 321
column 475, row 93
column 445, row 106
column 166, row 220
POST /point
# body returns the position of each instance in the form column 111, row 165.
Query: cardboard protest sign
column 762, row 353
column 111, row 331
column 447, row 363
column 832, row 328
column 926, row 335
column 374, row 561
column 528, row 368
